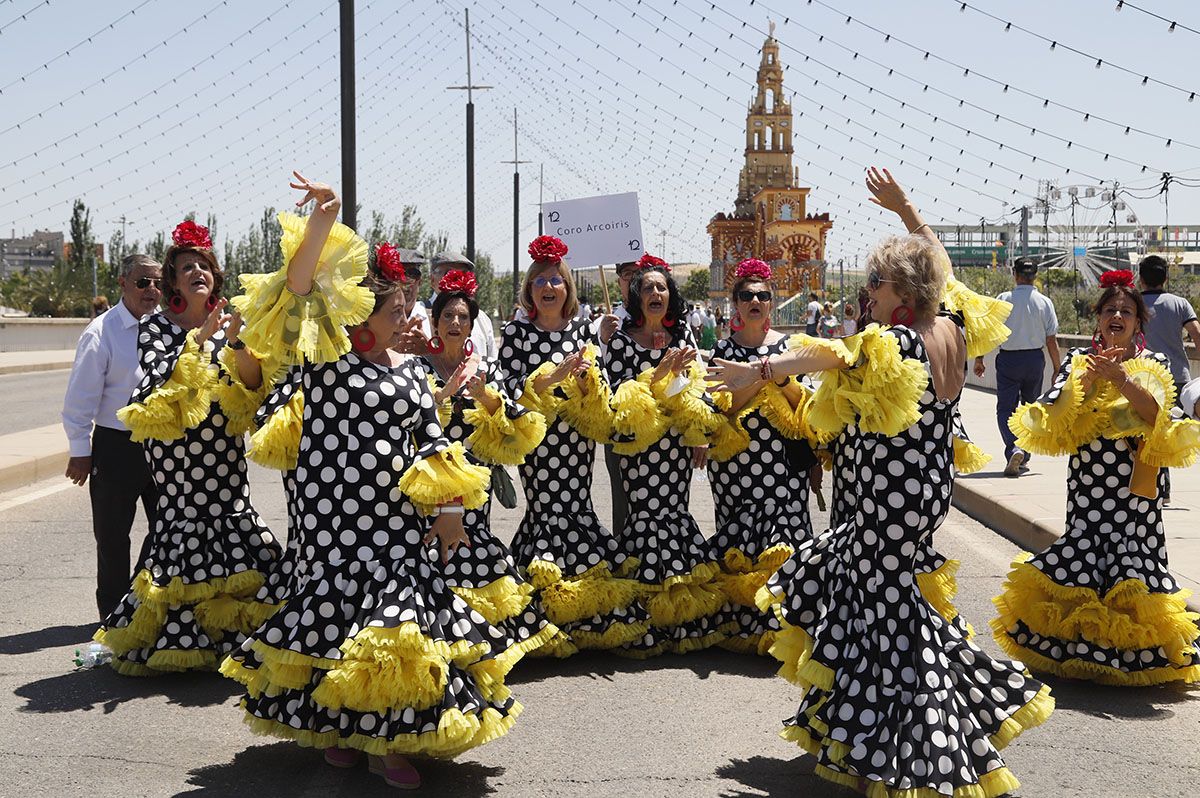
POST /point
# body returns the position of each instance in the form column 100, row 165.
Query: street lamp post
column 469, row 89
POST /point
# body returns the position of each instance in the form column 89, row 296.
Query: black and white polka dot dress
column 675, row 565
column 893, row 692
column 760, row 498
column 194, row 596
column 484, row 574
column 373, row 650
column 1100, row 602
column 566, row 553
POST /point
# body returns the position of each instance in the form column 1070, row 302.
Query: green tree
column 695, row 288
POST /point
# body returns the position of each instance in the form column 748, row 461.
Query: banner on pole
column 598, row 230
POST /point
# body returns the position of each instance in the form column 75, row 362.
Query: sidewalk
column 32, row 455
column 25, row 362
column 1031, row 509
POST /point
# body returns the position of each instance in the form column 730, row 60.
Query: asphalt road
column 31, row 400
column 702, row 724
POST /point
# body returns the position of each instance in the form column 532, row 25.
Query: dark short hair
column 676, row 307
column 1135, row 296
column 1153, row 271
column 813, row 295
column 1025, row 267
column 444, row 298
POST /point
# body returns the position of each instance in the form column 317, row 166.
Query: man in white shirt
column 106, row 371
column 483, row 335
column 813, row 311
column 1020, row 364
column 695, row 320
column 603, row 329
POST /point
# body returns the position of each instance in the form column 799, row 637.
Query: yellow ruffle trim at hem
column 1129, row 617
column 291, row 329
column 614, row 637
column 499, row 600
column 277, row 443
column 743, row 577
column 444, row 477
column 1090, row 671
column 580, row 598
column 969, row 458
column 755, row 644
column 180, row 403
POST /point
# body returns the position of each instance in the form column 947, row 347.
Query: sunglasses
column 761, row 296
column 542, row 282
column 874, row 281
column 145, row 282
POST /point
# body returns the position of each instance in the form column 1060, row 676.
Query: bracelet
column 451, row 509
column 236, row 346
column 764, row 369
column 918, row 227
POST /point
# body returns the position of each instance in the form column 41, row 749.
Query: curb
column 1031, row 534
column 30, row 368
column 18, row 467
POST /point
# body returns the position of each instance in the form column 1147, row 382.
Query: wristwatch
column 237, row 345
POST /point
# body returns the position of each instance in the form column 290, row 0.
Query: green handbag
column 503, row 488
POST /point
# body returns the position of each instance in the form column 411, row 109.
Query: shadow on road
column 104, row 689
column 50, row 637
column 287, row 769
column 764, row 775
column 1142, row 703
column 601, row 664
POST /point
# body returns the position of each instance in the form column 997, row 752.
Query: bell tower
column 768, row 133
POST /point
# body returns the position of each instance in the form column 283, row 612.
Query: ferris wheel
column 1087, row 230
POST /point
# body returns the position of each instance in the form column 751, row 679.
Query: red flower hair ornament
column 1117, row 277
column 647, row 261
column 387, row 260
column 458, row 282
column 190, row 234
column 752, row 267
column 547, row 249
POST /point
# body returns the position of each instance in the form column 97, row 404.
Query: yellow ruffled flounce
column 638, row 422
column 880, row 393
column 500, row 440
column 277, row 443
column 180, row 403
column 445, row 477
column 984, row 317
column 969, row 458
column 594, row 592
column 238, row 402
column 791, row 421
column 686, row 411
column 685, row 597
column 291, row 329
column 730, row 438
column 587, row 405
column 742, row 576
column 1128, row 617
column 499, row 600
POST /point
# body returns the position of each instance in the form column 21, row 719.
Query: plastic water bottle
column 92, row 656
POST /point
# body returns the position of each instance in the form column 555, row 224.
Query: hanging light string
column 1098, row 61
column 1005, row 85
column 74, row 47
column 22, row 16
column 1171, row 24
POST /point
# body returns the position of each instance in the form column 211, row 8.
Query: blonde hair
column 570, row 303
column 916, row 267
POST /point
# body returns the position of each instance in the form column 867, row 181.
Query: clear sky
column 151, row 109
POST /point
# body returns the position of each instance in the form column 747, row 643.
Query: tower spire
column 768, row 131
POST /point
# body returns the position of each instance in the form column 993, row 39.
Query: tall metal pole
column 516, row 162
column 349, row 190
column 469, row 89
column 541, row 186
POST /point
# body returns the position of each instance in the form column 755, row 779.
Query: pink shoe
column 402, row 777
column 341, row 757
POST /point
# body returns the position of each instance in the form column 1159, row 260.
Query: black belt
column 1035, row 349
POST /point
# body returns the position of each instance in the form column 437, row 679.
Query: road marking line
column 34, row 495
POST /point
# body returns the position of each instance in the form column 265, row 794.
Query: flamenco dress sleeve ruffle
column 1100, row 603
column 373, row 650
column 195, row 595
column 895, row 695
column 656, row 422
column 484, row 574
column 760, row 495
column 983, row 317
column 573, row 562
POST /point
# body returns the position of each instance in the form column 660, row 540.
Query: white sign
column 597, row 230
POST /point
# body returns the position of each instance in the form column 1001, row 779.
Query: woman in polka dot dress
column 662, row 424
column 1100, row 603
column 760, row 492
column 549, row 366
column 193, row 597
column 475, row 412
column 897, row 701
column 373, row 651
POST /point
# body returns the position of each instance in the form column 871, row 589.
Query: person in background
column 863, row 299
column 483, row 336
column 99, row 305
column 1020, row 364
column 829, row 326
column 695, row 320
column 708, row 329
column 106, row 371
column 1189, row 398
column 850, row 324
column 722, row 324
column 1170, row 316
column 814, row 314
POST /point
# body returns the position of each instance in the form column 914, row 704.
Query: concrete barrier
column 20, row 334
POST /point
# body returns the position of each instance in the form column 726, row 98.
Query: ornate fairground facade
column 770, row 220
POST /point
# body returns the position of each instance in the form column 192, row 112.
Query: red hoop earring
column 436, row 345
column 1097, row 341
column 668, row 320
column 469, row 348
column 736, row 324
column 211, row 302
column 903, row 316
column 1140, row 341
column 532, row 312
column 362, row 339
column 767, row 325
column 639, row 322
column 177, row 304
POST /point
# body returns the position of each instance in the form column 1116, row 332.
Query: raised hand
column 327, row 199
column 217, row 317
column 885, row 191
column 608, row 326
column 727, row 375
column 411, row 340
